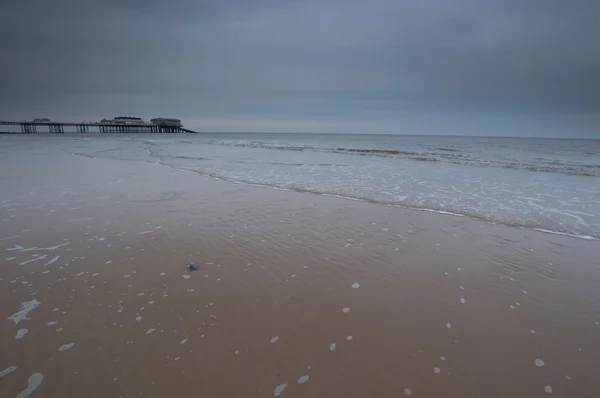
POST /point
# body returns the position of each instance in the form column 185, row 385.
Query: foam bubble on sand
column 332, row 346
column 548, row 389
column 436, row 370
column 349, row 338
column 279, row 389
column 186, row 276
column 346, row 310
column 21, row 333
column 274, row 339
column 236, row 352
column 183, row 341
column 448, row 325
column 59, row 329
column 462, row 300
column 26, row 306
column 108, row 262
column 52, row 260
column 162, row 274
column 10, row 258
column 150, row 331
column 8, row 370
column 65, row 347
column 355, row 285
column 177, row 358
column 442, row 358
column 51, row 323
column 407, row 391
column 532, row 331
column 33, row 382
column 138, row 318
column 303, row 379
column 151, row 302
column 539, row 362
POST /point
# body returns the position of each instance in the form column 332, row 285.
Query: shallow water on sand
column 437, row 305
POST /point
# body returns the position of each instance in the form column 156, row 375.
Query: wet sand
column 439, row 306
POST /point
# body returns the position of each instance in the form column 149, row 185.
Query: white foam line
column 34, row 259
column 34, row 382
column 52, row 260
column 8, row 370
column 44, row 248
column 585, row 237
column 17, row 247
column 149, row 231
column 11, row 237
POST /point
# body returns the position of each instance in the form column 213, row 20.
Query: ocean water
column 546, row 184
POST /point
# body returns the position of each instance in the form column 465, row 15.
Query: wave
column 457, row 213
column 439, row 154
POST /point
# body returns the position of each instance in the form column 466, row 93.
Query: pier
column 169, row 126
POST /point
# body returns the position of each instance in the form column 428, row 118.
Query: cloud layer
column 512, row 67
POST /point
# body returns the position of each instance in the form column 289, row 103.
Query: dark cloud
column 382, row 66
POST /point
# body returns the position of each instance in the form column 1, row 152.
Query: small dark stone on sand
column 192, row 267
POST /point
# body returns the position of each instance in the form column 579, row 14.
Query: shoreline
column 443, row 306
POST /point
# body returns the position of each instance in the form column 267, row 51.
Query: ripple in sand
column 355, row 285
column 21, row 333
column 332, row 346
column 539, row 362
column 548, row 389
column 274, row 339
column 279, row 389
column 65, row 347
column 303, row 379
column 346, row 310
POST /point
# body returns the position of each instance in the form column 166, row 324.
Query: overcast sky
column 475, row 67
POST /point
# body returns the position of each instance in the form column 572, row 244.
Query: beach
column 296, row 294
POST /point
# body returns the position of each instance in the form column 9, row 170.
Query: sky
column 460, row 67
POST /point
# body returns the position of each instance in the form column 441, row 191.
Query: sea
column 551, row 185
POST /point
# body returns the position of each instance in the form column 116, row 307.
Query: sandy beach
column 296, row 294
